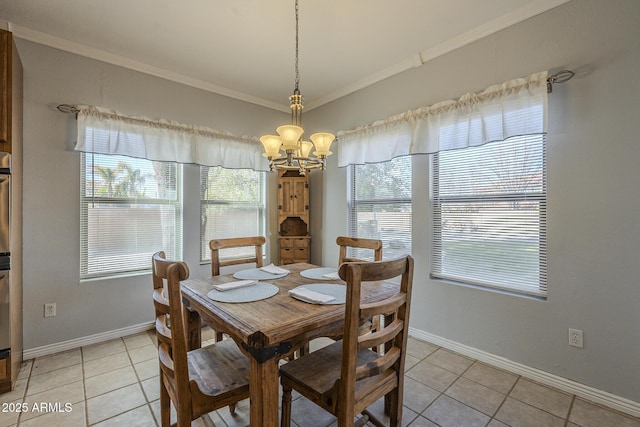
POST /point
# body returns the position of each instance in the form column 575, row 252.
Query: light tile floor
column 116, row 384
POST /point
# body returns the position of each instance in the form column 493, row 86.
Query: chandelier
column 289, row 138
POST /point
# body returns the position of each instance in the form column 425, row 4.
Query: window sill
column 116, row 276
column 490, row 289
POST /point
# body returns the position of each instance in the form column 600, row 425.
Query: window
column 489, row 215
column 380, row 206
column 129, row 209
column 232, row 204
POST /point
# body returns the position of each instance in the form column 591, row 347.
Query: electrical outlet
column 50, row 309
column 575, row 338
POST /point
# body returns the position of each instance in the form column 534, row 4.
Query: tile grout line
column 148, row 403
column 24, row 395
column 84, row 388
column 138, row 381
column 443, row 393
column 518, row 377
column 507, row 395
column 573, row 400
column 474, row 361
column 424, row 359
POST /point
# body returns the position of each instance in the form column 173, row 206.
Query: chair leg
column 184, row 419
column 285, row 419
column 165, row 405
column 219, row 336
column 395, row 408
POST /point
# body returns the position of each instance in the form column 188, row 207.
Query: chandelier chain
column 289, row 138
column 296, row 64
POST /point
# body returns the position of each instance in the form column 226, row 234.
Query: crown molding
column 414, row 61
column 121, row 61
column 426, row 55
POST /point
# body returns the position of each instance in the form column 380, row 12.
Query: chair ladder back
column 158, row 270
column 383, row 336
column 163, row 332
column 173, row 354
column 354, row 242
column 393, row 334
column 217, row 244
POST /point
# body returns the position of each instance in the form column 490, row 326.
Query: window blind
column 232, row 204
column 129, row 209
column 489, row 215
column 380, row 206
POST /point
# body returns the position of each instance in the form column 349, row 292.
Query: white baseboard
column 598, row 396
column 594, row 395
column 48, row 349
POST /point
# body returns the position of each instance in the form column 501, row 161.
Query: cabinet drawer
column 301, row 254
column 286, row 255
column 286, row 243
column 300, row 243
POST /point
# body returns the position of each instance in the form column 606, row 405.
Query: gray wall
column 593, row 196
column 51, row 186
column 594, row 236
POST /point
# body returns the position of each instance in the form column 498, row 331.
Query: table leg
column 194, row 329
column 263, row 390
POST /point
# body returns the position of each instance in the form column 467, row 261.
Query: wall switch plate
column 50, row 309
column 575, row 338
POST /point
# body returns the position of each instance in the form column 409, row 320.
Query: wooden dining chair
column 238, row 242
column 346, row 377
column 233, row 243
column 197, row 381
column 374, row 245
column 354, row 242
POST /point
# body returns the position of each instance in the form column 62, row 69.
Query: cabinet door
column 293, row 197
column 5, row 90
column 300, row 198
column 285, row 196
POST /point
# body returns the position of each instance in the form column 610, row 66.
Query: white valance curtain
column 105, row 131
column 517, row 107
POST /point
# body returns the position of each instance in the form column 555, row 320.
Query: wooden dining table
column 270, row 329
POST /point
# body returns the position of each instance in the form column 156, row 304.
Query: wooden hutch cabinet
column 293, row 217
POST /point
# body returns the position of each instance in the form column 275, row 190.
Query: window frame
column 86, row 201
column 352, row 208
column 205, row 254
column 435, row 217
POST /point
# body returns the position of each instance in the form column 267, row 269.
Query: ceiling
column 245, row 49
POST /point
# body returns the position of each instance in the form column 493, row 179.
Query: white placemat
column 318, row 273
column 339, row 292
column 257, row 274
column 256, row 292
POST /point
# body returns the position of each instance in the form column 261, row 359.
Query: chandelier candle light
column 289, row 138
